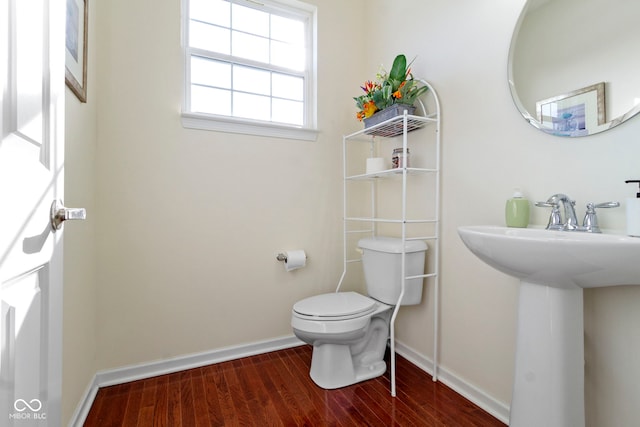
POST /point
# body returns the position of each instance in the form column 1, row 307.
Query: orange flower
column 397, row 94
column 369, row 109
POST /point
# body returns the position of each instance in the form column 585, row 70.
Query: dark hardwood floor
column 274, row 389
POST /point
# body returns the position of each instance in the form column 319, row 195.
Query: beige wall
column 80, row 261
column 190, row 221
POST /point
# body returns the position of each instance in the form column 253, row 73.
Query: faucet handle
column 546, row 204
column 555, row 220
column 590, row 222
column 604, row 205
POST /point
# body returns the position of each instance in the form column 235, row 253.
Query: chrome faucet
column 570, row 222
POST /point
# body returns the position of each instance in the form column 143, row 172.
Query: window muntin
column 249, row 61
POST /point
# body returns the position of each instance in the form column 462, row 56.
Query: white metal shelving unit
column 400, row 126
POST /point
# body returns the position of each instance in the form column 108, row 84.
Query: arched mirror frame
column 596, row 91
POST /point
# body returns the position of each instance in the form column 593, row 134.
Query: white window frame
column 230, row 124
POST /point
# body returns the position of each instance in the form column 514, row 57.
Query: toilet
column 348, row 330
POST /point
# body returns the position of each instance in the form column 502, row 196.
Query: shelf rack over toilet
column 400, row 126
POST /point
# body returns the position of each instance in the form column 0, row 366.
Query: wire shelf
column 395, row 126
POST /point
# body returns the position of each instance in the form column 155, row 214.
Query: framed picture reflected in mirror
column 577, row 113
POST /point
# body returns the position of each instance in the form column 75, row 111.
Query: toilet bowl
column 348, row 330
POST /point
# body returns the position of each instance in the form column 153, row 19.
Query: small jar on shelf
column 399, row 159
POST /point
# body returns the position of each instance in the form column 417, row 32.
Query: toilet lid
column 336, row 304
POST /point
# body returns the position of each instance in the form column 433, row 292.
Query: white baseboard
column 82, row 410
column 161, row 367
column 181, row 363
column 498, row 409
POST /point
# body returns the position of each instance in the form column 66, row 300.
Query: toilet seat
column 335, row 306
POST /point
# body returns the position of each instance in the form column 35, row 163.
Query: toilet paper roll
column 295, row 259
column 375, row 164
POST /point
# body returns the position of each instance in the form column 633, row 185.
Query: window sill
column 205, row 122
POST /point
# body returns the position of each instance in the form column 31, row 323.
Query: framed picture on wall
column 76, row 48
column 576, row 113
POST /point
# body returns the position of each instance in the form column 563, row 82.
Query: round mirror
column 573, row 67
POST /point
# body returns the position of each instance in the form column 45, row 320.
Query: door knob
column 59, row 214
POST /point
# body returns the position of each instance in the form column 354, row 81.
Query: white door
column 31, row 178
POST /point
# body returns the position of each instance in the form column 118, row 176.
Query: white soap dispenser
column 633, row 212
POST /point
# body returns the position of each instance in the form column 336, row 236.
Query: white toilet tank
column 382, row 265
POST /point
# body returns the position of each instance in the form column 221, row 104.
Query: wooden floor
column 274, row 389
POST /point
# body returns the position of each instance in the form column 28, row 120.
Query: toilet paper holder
column 283, row 257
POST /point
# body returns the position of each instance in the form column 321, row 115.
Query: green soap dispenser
column 517, row 210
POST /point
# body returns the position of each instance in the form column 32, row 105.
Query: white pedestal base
column 548, row 385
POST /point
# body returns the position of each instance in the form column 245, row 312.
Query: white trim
column 84, row 406
column 204, row 122
column 498, row 409
column 125, row 374
column 161, row 367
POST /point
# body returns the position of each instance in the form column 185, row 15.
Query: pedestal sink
column 554, row 267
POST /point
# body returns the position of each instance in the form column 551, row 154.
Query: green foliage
column 395, row 87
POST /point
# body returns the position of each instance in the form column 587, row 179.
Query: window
column 250, row 67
